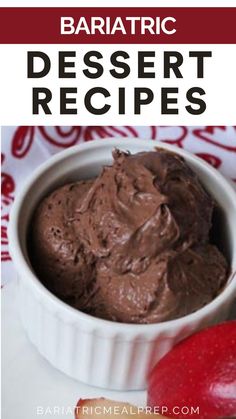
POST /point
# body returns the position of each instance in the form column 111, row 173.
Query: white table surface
column 30, row 382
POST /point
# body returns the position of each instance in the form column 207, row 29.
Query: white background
column 32, row 381
column 219, row 84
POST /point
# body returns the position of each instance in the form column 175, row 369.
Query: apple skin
column 199, row 371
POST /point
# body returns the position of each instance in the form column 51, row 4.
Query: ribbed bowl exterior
column 82, row 351
column 98, row 352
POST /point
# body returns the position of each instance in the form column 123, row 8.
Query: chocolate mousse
column 131, row 245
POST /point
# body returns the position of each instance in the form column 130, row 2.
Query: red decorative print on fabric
column 210, row 135
column 213, row 160
column 63, row 138
column 22, row 141
column 180, row 136
column 7, row 197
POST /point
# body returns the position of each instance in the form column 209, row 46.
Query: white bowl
column 100, row 352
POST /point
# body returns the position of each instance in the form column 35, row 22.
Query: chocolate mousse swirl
column 138, row 237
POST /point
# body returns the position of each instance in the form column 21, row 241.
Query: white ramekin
column 99, row 352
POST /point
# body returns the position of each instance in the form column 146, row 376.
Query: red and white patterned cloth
column 24, row 148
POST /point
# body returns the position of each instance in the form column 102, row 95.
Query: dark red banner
column 136, row 26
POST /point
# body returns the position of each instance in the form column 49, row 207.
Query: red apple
column 199, row 374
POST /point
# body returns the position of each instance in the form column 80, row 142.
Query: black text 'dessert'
column 157, row 71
